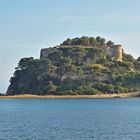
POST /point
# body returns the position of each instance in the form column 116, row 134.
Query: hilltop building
column 115, row 51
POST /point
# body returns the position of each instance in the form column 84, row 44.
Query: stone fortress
column 115, row 51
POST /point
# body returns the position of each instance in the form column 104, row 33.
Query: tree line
column 88, row 41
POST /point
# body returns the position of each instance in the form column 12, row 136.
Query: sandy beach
column 99, row 96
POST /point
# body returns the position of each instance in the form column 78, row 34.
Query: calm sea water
column 70, row 119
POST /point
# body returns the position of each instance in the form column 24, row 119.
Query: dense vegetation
column 76, row 70
column 87, row 41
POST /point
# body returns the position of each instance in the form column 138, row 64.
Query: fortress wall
column 110, row 51
column 45, row 52
column 114, row 51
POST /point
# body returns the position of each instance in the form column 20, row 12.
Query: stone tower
column 118, row 52
column 115, row 51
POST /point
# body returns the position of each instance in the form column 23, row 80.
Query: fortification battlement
column 115, row 51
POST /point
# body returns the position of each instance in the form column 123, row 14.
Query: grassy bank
column 100, row 96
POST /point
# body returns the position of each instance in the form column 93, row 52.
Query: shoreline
column 99, row 96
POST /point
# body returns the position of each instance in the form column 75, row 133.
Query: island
column 78, row 67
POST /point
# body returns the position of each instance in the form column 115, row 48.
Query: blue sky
column 26, row 26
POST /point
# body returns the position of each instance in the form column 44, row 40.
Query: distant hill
column 78, row 66
column 2, row 94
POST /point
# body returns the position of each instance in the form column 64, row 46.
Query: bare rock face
column 75, row 76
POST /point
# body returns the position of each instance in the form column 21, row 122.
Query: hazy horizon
column 28, row 26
